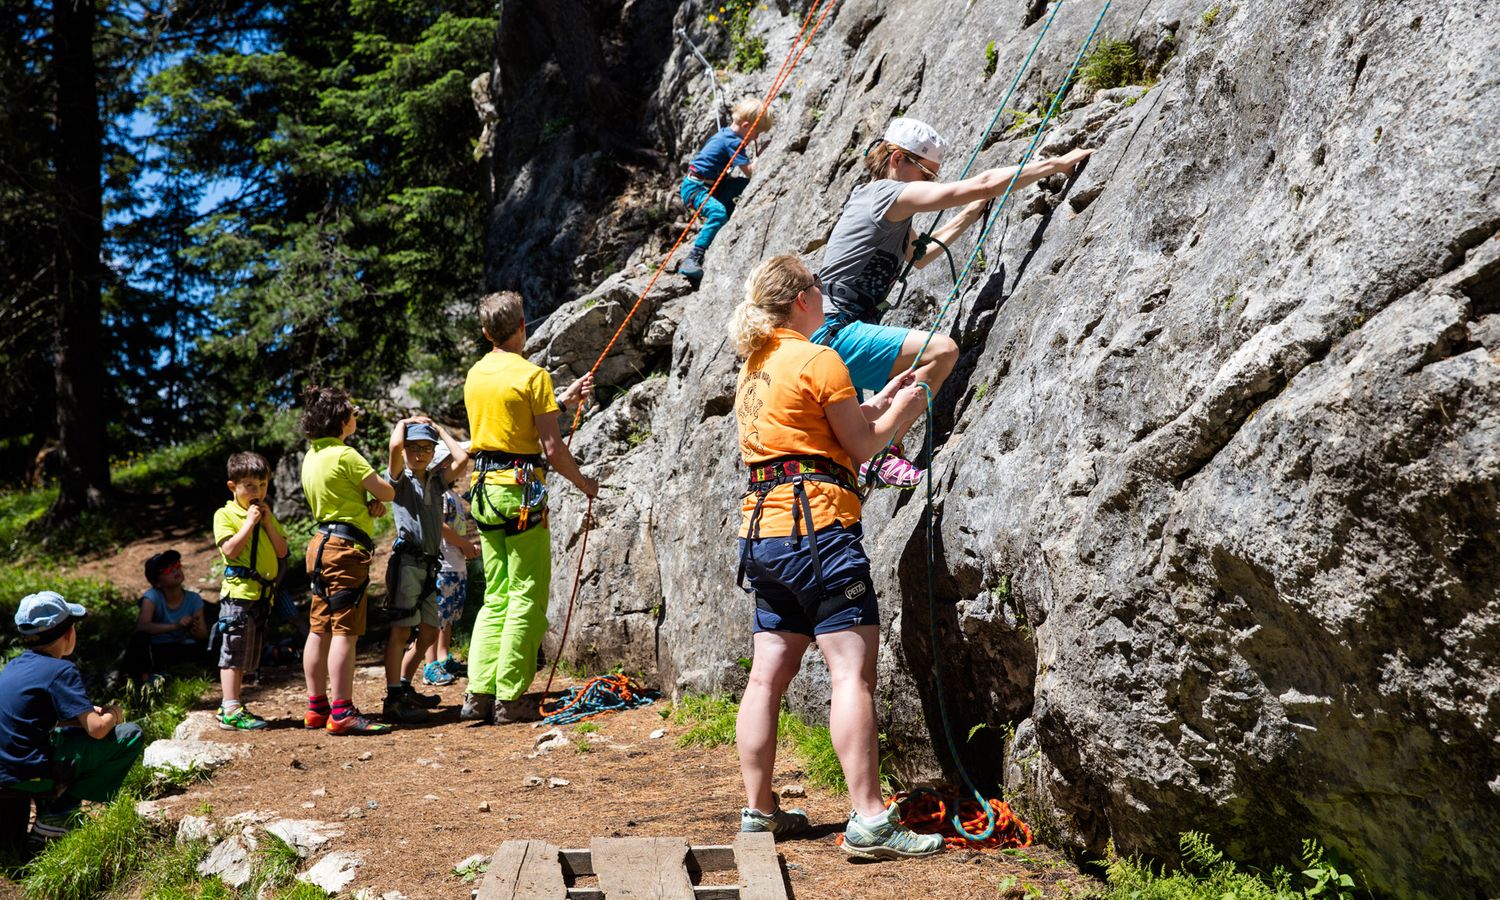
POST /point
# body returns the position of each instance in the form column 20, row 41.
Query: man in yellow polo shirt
column 514, row 431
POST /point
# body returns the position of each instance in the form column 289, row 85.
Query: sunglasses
column 931, row 175
column 816, row 283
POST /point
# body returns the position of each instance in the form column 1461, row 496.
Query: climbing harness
column 403, row 553
column 348, row 597
column 804, row 39
column 261, row 605
column 533, row 511
column 603, row 694
column 795, row 471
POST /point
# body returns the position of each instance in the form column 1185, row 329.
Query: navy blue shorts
column 780, row 575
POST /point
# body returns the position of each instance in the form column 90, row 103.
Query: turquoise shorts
column 869, row 351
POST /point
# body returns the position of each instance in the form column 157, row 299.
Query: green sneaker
column 884, row 837
column 780, row 822
column 242, row 719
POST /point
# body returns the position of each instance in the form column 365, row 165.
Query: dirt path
column 428, row 797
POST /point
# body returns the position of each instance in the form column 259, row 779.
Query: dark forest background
column 206, row 205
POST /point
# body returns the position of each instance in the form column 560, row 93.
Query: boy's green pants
column 513, row 620
column 98, row 767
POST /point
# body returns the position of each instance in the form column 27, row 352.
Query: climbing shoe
column 884, row 837
column 242, row 719
column 422, row 701
column 895, row 471
column 691, row 266
column 477, row 707
column 434, row 674
column 355, row 724
column 399, row 708
column 780, row 823
column 509, row 712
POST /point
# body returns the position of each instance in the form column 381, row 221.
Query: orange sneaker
column 314, row 719
column 355, row 724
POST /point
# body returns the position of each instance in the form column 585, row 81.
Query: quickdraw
column 795, row 471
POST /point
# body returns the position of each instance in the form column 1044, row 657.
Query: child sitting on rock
column 346, row 495
column 513, row 423
column 873, row 241
column 253, row 545
column 411, row 575
column 170, row 627
column 40, row 690
column 712, row 159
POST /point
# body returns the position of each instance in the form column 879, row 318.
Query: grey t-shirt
column 865, row 253
column 418, row 510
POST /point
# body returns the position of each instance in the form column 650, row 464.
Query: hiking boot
column 691, row 266
column 780, row 823
column 242, row 719
column 884, row 837
column 510, row 712
column 399, row 708
column 478, row 707
column 895, row 471
column 434, row 674
column 421, row 701
column 355, row 724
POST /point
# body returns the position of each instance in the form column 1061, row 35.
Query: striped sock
column 343, row 709
column 318, row 704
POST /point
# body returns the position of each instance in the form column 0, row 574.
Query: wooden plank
column 524, row 870
column 577, row 862
column 642, row 868
column 710, row 858
column 700, row 892
column 760, row 868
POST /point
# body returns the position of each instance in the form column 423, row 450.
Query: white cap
column 916, row 137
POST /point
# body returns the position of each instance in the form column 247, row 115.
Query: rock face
column 1217, row 541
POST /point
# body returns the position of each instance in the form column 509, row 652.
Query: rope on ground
column 799, row 46
column 606, row 693
column 927, row 811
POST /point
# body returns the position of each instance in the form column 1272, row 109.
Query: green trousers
column 98, row 767
column 513, row 620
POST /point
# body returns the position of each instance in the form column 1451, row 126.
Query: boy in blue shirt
column 49, row 729
column 705, row 167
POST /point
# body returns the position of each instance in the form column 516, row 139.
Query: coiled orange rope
column 931, row 811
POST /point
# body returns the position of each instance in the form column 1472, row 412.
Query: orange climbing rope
column 794, row 55
column 929, row 811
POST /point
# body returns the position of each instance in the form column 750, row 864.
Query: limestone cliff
column 1218, row 472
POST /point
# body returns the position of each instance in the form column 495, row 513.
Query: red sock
column 342, row 709
column 318, row 703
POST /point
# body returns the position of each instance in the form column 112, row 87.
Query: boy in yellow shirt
column 513, row 421
column 253, row 545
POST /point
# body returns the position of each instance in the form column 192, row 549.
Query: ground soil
column 427, row 797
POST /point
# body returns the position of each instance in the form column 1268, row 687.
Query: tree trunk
column 84, row 464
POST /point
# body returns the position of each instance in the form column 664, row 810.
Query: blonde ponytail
column 770, row 292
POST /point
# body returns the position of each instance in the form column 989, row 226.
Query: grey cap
column 421, row 431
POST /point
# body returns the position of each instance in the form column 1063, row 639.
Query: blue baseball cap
column 421, row 431
column 44, row 617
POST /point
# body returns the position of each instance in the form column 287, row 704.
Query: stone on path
column 306, row 835
column 230, row 859
column 333, row 872
column 201, row 756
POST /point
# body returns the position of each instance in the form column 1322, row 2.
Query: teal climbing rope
column 605, row 693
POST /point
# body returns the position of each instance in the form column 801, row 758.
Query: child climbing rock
column 706, row 166
column 874, row 239
column 515, row 435
column 801, row 429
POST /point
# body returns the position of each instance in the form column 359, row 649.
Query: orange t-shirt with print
column 779, row 405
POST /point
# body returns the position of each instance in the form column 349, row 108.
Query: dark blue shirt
column 36, row 692
column 715, row 154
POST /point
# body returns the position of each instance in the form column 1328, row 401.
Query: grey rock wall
column 1217, row 479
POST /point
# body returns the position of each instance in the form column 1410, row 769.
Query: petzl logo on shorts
column 854, row 590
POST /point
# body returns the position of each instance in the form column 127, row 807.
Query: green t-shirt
column 228, row 521
column 333, row 479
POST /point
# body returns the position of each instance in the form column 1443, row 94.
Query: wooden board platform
column 634, row 869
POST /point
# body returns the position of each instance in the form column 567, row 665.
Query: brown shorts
column 340, row 607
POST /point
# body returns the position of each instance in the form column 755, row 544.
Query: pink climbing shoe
column 895, row 471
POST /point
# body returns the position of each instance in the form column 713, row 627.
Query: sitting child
column 411, row 575
column 170, row 627
column 39, row 691
column 705, row 168
column 254, row 548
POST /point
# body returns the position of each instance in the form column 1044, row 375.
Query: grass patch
column 711, row 720
column 93, row 857
column 638, row 436
column 991, row 59
column 1114, row 63
column 585, row 728
column 1210, row 16
column 274, row 867
column 172, row 874
column 1207, row 875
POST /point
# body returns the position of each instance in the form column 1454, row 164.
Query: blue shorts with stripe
column 785, row 585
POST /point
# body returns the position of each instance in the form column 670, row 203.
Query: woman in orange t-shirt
column 803, row 433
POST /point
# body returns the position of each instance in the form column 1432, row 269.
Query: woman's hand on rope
column 882, row 401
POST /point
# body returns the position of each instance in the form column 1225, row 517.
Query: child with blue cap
column 50, row 732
